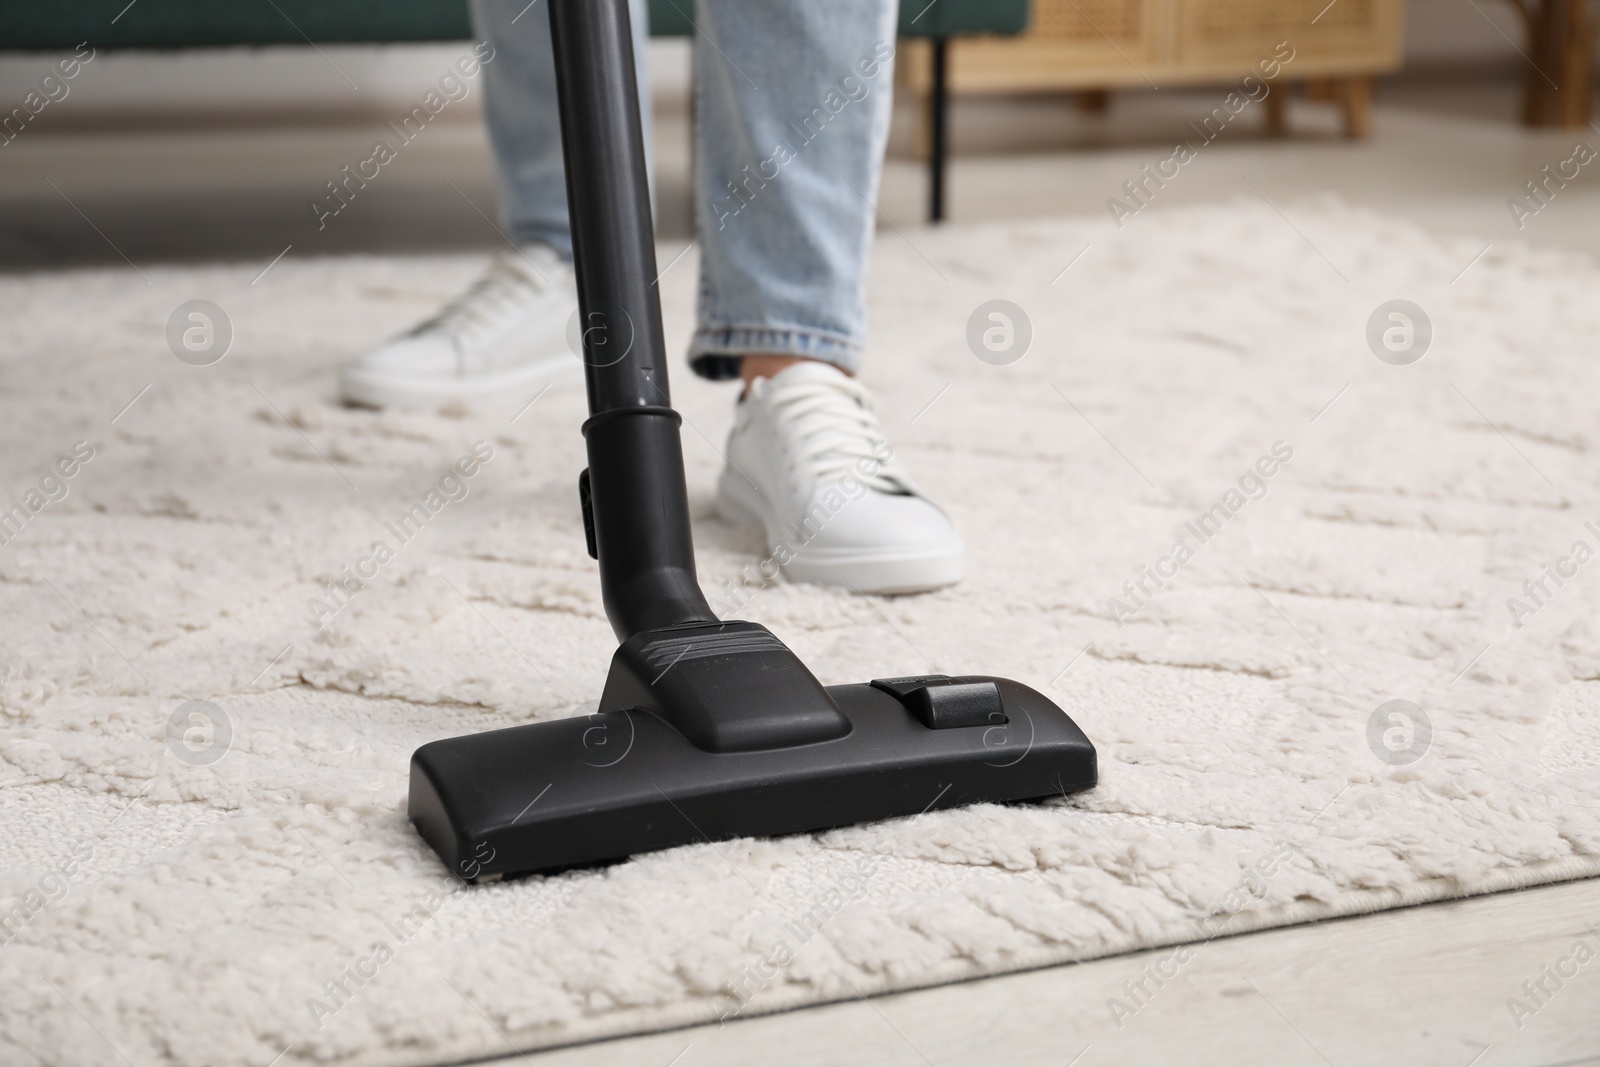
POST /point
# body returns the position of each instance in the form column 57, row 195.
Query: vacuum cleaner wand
column 706, row 729
column 635, row 500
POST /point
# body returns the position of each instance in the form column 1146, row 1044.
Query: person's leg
column 793, row 111
column 506, row 334
column 524, row 122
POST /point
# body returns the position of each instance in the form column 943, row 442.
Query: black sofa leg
column 940, row 132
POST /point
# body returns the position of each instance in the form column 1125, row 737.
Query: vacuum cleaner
column 706, row 729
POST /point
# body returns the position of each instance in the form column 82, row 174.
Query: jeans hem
column 717, row 353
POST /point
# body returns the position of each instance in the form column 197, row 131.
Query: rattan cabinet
column 1091, row 46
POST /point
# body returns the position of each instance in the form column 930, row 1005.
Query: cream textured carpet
column 276, row 899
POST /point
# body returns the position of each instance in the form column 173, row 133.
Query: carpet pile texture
column 1417, row 539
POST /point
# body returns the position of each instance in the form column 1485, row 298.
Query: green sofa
column 62, row 24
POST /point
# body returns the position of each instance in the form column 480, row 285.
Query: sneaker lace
column 508, row 282
column 828, row 427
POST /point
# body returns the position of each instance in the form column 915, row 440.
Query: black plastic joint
column 726, row 687
column 586, row 502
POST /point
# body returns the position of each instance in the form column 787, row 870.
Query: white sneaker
column 808, row 461
column 506, row 334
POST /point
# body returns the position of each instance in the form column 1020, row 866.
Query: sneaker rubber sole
column 384, row 390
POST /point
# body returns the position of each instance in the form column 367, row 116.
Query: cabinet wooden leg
column 1277, row 109
column 1355, row 99
column 1560, row 75
column 1093, row 101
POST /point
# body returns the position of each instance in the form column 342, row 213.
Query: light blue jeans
column 792, row 104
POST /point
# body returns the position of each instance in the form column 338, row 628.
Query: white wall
column 1439, row 31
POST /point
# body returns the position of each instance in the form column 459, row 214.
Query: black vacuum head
column 716, row 731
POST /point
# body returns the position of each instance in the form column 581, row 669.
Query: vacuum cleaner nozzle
column 733, row 737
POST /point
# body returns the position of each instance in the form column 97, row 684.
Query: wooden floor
column 1413, row 988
